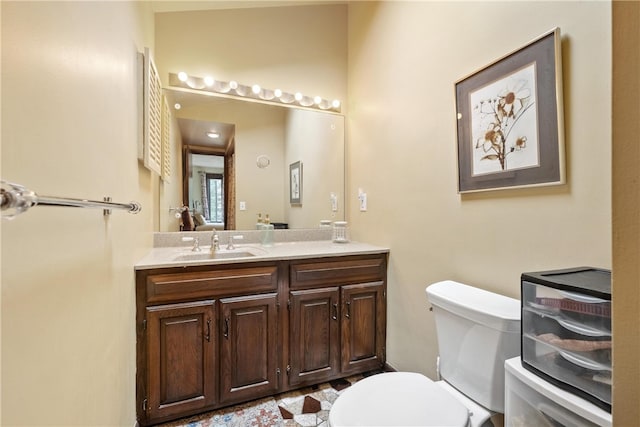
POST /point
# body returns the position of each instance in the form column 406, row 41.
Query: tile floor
column 307, row 407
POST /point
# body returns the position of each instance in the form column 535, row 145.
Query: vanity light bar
column 233, row 88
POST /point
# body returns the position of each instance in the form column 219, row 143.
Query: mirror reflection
column 237, row 159
column 206, row 190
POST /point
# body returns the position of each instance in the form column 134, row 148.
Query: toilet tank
column 477, row 331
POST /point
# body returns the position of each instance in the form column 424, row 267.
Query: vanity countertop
column 182, row 256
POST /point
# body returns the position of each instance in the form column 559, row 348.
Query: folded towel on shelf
column 574, row 345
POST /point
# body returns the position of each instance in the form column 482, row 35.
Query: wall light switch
column 243, row 206
column 362, row 197
column 334, row 202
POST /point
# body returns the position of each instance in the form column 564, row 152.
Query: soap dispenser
column 259, row 224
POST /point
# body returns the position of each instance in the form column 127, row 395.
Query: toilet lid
column 397, row 399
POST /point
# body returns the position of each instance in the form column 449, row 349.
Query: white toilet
column 477, row 331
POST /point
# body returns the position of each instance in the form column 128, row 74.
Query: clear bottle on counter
column 266, row 232
column 340, row 232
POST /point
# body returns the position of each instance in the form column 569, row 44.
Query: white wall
column 317, row 141
column 404, row 58
column 260, row 189
column 69, row 129
column 298, row 48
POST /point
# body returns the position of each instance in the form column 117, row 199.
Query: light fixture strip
column 208, row 84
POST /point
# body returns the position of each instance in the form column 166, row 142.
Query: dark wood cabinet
column 339, row 330
column 207, row 337
column 314, row 347
column 213, row 335
column 181, row 358
column 248, row 350
column 363, row 327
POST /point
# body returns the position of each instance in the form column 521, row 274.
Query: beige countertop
column 179, row 256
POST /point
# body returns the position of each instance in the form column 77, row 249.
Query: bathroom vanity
column 212, row 332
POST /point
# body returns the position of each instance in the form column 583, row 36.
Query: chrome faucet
column 215, row 243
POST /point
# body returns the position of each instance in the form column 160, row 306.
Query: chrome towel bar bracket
column 16, row 199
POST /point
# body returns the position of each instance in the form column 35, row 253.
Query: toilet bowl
column 403, row 399
column 477, row 331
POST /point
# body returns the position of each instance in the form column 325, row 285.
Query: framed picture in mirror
column 510, row 122
column 295, row 183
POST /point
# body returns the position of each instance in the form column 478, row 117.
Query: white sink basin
column 222, row 254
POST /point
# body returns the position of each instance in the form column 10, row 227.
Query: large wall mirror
column 237, row 160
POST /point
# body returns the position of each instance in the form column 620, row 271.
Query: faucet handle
column 230, row 245
column 196, row 243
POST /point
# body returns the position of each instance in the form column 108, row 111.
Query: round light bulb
column 277, row 93
column 209, row 81
column 177, row 106
column 182, row 76
column 255, row 89
column 233, row 84
column 298, row 96
column 335, row 103
column 317, row 100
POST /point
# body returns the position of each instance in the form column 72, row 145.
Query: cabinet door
column 314, row 335
column 363, row 327
column 249, row 345
column 180, row 358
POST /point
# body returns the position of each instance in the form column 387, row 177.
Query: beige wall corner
column 626, row 212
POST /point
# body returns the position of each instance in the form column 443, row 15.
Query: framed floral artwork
column 295, row 183
column 510, row 122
